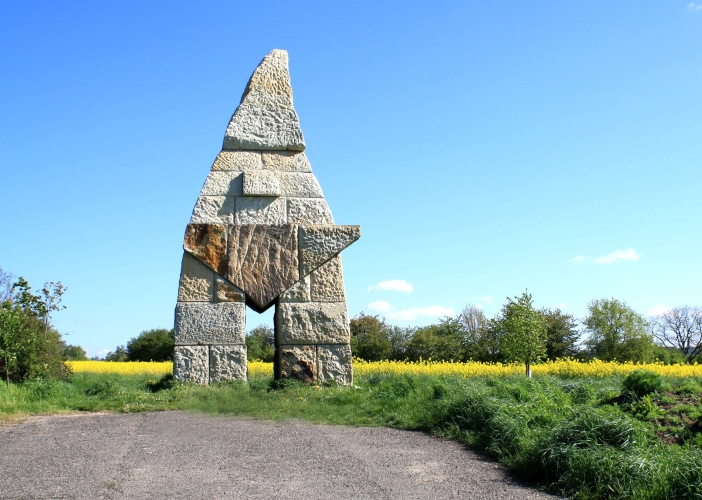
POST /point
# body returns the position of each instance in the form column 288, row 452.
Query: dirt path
column 187, row 455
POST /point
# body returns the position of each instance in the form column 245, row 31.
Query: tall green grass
column 566, row 435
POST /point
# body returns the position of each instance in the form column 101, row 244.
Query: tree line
column 611, row 330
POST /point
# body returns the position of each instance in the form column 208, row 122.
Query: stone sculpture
column 261, row 235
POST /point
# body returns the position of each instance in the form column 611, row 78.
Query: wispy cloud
column 415, row 312
column 392, row 285
column 380, row 306
column 694, row 6
column 658, row 309
column 610, row 258
column 562, row 305
column 617, row 255
column 486, row 299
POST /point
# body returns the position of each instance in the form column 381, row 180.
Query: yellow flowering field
column 122, row 367
column 565, row 367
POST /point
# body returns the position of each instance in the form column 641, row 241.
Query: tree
column 680, row 328
column 523, row 332
column 119, row 354
column 616, row 331
column 481, row 336
column 152, row 345
column 369, row 338
column 561, row 334
column 442, row 342
column 29, row 347
column 260, row 344
column 72, row 352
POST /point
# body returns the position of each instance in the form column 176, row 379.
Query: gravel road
column 188, row 455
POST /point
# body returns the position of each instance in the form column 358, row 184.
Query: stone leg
column 227, row 362
column 190, row 363
column 312, row 328
column 210, row 326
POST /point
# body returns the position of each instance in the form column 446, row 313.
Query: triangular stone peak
column 262, row 235
column 265, row 118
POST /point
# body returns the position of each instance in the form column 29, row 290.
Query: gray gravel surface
column 189, row 455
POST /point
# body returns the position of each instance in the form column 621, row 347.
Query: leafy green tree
column 562, row 334
column 369, row 338
column 260, row 344
column 617, row 332
column 119, row 354
column 442, row 342
column 481, row 335
column 72, row 352
column 523, row 332
column 152, row 345
column 29, row 347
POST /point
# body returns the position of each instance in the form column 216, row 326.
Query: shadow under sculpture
column 262, row 235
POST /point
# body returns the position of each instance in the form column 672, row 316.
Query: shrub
column 260, row 343
column 642, row 382
column 152, row 345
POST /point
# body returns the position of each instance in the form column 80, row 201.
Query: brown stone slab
column 263, row 260
column 208, row 244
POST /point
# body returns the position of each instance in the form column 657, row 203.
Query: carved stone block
column 309, row 211
column 227, row 362
column 299, row 292
column 225, row 183
column 238, row 160
column 300, row 185
column 210, row 323
column 290, row 161
column 196, row 280
column 319, row 243
column 263, row 260
column 208, row 244
column 327, row 282
column 312, row 323
column 190, row 363
column 297, row 361
column 334, row 363
column 213, row 210
column 261, row 183
column 226, row 292
column 260, row 210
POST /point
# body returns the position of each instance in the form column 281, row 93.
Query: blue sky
column 484, row 148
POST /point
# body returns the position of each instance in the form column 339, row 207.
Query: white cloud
column 694, row 6
column 486, row 299
column 658, row 309
column 562, row 305
column 380, row 306
column 415, row 312
column 616, row 256
column 628, row 254
column 392, row 285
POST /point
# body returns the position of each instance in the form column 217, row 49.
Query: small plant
column 642, row 382
column 689, row 387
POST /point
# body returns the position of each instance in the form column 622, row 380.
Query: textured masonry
column 262, row 235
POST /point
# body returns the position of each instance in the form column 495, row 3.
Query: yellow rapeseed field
column 566, row 368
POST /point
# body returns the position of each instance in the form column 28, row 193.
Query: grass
column 578, row 437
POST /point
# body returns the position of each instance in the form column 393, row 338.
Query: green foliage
column 260, row 344
column 481, row 340
column 119, row 354
column 642, row 382
column 151, row 345
column 29, row 347
column 72, row 352
column 524, row 332
column 561, row 334
column 442, row 342
column 617, row 332
column 668, row 355
column 373, row 340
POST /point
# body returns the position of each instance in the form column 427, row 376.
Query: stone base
column 204, row 364
column 314, row 363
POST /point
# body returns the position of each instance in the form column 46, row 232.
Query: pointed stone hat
column 265, row 118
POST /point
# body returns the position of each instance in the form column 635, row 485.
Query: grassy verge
column 577, row 437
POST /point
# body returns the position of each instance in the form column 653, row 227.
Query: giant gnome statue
column 262, row 235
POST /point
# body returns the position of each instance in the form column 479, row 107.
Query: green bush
column 642, row 382
column 260, row 344
column 152, row 345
